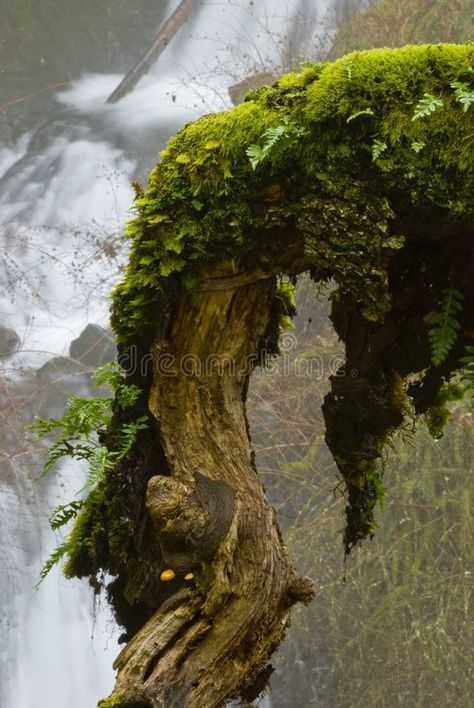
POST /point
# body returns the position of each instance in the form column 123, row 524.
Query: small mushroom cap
column 189, row 576
column 167, row 575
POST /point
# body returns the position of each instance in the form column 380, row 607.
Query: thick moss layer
column 360, row 171
column 350, row 145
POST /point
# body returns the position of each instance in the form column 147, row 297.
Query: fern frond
column 426, row 105
column 78, row 437
column 128, row 435
column 53, row 560
column 467, row 372
column 445, row 326
column 64, row 513
column 126, row 395
column 276, row 138
column 463, row 94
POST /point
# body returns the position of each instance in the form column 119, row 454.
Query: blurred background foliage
column 391, row 626
column 393, row 23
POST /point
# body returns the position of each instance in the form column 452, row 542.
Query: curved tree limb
column 203, row 583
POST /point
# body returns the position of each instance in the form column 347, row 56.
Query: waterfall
column 64, row 197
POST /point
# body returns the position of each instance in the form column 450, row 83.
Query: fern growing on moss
column 277, row 138
column 426, row 106
column 467, row 373
column 78, row 438
column 463, row 94
column 445, row 326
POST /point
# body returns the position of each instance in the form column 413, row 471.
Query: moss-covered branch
column 360, row 172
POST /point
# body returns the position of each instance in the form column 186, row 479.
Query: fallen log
column 163, row 37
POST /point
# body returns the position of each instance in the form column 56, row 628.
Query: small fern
column 57, row 555
column 77, row 438
column 63, row 514
column 467, row 372
column 445, row 326
column 364, row 112
column 463, row 94
column 417, row 145
column 378, row 147
column 426, row 106
column 275, row 139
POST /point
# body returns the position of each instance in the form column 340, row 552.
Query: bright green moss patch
column 387, row 78
column 119, row 700
column 354, row 143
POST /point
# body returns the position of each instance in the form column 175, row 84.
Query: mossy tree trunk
column 191, row 652
column 203, row 584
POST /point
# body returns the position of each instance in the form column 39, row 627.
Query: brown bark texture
column 211, row 640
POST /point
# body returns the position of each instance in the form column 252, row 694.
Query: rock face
column 93, row 347
column 9, row 341
column 61, row 368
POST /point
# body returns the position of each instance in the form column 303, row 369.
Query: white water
column 64, row 192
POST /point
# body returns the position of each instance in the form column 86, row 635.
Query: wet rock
column 58, row 379
column 9, row 342
column 93, row 347
column 60, row 368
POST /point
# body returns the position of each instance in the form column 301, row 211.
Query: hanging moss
column 360, row 171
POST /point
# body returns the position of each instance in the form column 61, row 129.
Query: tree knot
column 301, row 589
column 190, row 522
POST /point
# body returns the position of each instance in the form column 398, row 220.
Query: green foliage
column 463, row 94
column 78, row 437
column 378, row 147
column 285, row 304
column 64, row 513
column 363, row 112
column 336, row 157
column 56, row 556
column 467, row 372
column 417, row 145
column 282, row 137
column 445, row 326
column 426, row 106
column 440, row 412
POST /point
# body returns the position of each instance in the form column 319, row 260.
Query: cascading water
column 64, row 196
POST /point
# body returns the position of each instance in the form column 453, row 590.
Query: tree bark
column 211, row 641
column 163, row 37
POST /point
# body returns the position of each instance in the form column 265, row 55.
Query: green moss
column 119, row 700
column 101, row 534
column 285, row 304
column 116, row 700
column 201, row 203
column 440, row 412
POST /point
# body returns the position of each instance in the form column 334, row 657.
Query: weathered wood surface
column 202, row 651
